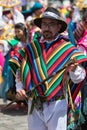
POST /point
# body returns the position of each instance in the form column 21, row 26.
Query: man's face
column 50, row 28
column 38, row 12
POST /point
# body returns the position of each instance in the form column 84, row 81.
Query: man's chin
column 48, row 40
column 47, row 37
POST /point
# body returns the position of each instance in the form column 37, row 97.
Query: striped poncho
column 37, row 64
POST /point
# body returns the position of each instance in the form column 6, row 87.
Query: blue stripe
column 63, row 61
column 34, row 63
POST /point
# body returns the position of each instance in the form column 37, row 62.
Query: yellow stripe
column 70, row 96
column 14, row 61
column 76, row 54
column 13, row 72
column 54, row 79
column 35, row 49
column 55, row 51
column 41, row 72
column 39, row 65
column 23, row 65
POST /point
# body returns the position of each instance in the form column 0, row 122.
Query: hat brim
column 38, row 21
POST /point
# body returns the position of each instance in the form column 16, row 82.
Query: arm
column 78, row 75
column 21, row 94
column 18, row 17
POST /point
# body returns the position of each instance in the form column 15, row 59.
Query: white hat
column 18, row 17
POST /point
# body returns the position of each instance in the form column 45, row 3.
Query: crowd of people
column 16, row 32
column 43, row 64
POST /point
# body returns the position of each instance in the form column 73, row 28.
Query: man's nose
column 47, row 27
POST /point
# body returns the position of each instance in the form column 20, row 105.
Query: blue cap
column 35, row 7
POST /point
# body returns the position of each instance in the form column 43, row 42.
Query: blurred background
column 58, row 3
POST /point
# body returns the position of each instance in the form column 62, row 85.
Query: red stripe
column 54, row 92
column 33, row 72
column 29, row 55
column 43, row 52
column 28, row 79
column 78, row 87
column 19, row 56
column 82, row 60
column 54, row 46
column 40, row 90
column 36, row 82
column 34, row 77
column 50, row 70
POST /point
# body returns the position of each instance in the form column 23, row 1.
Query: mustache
column 47, row 31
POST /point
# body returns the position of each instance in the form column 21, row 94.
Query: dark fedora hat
column 51, row 13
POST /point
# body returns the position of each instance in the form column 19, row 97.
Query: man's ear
column 59, row 27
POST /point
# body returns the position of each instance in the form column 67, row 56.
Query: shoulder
column 13, row 42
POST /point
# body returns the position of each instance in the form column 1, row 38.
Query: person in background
column 41, row 65
column 23, row 4
column 10, row 16
column 19, row 41
column 2, row 57
column 71, row 26
column 81, row 41
column 81, row 27
column 35, row 10
column 31, row 27
column 7, row 34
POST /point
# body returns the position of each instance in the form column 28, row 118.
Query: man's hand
column 73, row 65
column 21, row 95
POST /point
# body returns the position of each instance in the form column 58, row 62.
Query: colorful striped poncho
column 37, row 64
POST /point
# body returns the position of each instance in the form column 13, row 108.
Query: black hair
column 84, row 17
column 22, row 27
column 6, row 12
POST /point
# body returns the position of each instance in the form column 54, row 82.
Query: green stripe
column 14, row 66
column 25, row 73
column 43, row 66
column 22, row 52
column 57, row 55
column 55, row 84
column 37, row 45
column 79, row 57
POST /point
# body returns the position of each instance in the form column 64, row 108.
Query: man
column 42, row 70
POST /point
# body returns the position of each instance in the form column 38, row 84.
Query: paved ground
column 12, row 119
